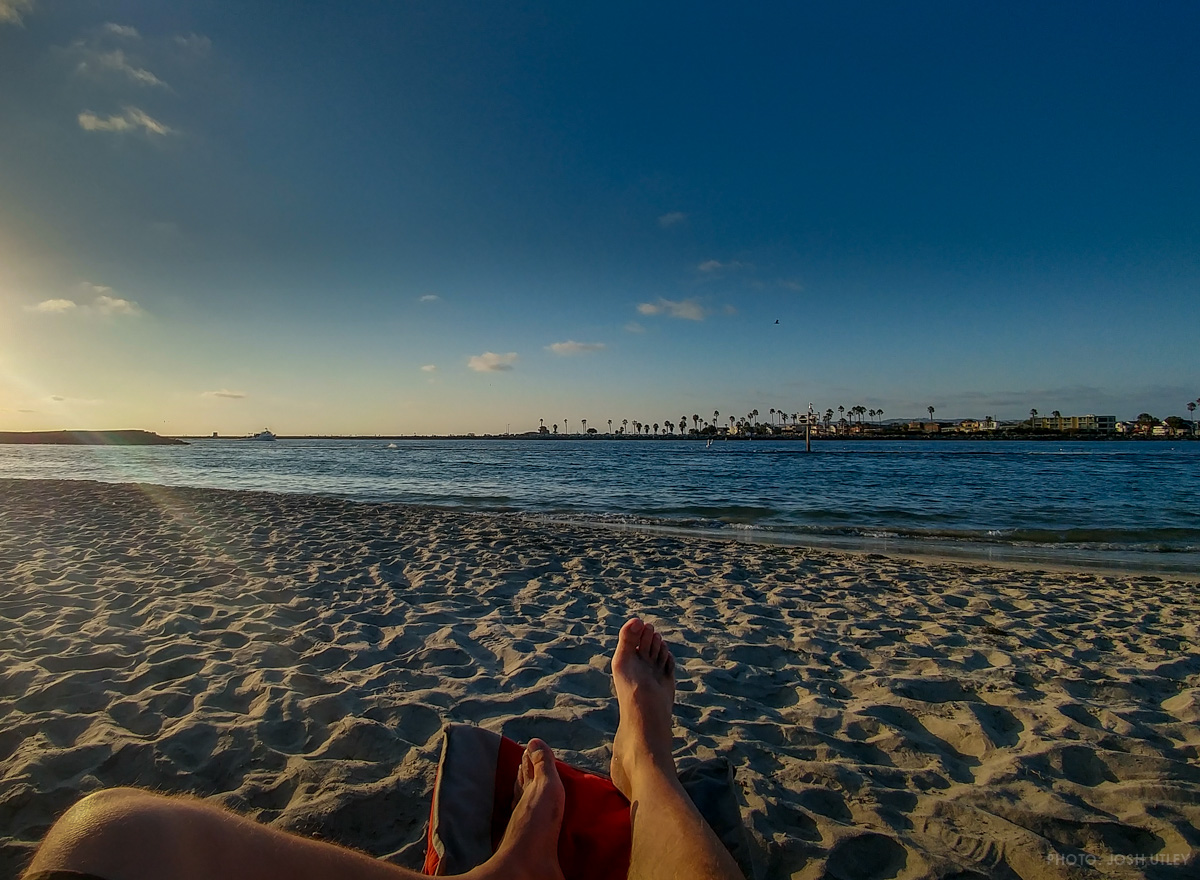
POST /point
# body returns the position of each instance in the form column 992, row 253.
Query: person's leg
column 670, row 837
column 126, row 834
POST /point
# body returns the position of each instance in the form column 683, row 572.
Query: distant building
column 1076, row 423
column 972, row 425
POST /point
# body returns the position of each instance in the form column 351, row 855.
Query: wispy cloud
column 713, row 266
column 674, row 218
column 225, row 393
column 131, row 120
column 115, row 305
column 429, row 297
column 12, row 10
column 195, row 44
column 75, row 401
column 791, row 284
column 634, row 327
column 490, row 362
column 102, row 303
column 101, row 63
column 429, row 368
column 571, row 347
column 122, row 30
column 688, row 309
column 53, row 306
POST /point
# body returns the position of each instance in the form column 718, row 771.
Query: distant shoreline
column 947, row 436
column 88, row 438
column 149, row 438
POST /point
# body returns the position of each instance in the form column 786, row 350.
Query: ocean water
column 1124, row 505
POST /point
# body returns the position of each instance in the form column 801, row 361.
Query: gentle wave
column 1134, row 499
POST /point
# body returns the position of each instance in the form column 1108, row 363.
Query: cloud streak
column 686, row 309
column 53, row 306
column 122, row 30
column 114, row 305
column 11, row 11
column 571, row 347
column 130, row 120
column 225, row 393
column 674, row 218
column 491, row 362
column 194, row 44
column 103, row 303
column 99, row 63
column 710, row 267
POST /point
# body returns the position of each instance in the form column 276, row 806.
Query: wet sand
column 295, row 657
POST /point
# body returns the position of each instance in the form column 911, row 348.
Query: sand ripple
column 295, row 658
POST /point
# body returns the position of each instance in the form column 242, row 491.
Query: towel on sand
column 472, row 803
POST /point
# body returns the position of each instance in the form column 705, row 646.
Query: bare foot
column 529, row 850
column 644, row 674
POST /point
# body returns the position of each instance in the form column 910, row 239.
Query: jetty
column 89, row 438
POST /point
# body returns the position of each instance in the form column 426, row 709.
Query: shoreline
column 1002, row 556
column 946, row 436
column 935, row 548
column 294, row 657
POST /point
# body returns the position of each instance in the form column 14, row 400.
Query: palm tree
column 696, row 422
column 556, row 427
column 879, row 416
column 584, row 423
column 624, row 426
column 1192, row 413
column 682, row 425
column 930, row 408
column 564, row 426
column 828, row 418
column 716, row 415
column 841, row 412
column 610, row 426
column 1032, row 416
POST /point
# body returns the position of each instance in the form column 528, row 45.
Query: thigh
column 131, row 835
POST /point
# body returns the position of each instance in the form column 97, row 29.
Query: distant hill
column 90, row 438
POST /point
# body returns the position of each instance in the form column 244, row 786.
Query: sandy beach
column 295, row 658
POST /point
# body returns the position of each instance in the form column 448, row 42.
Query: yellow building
column 1076, row 423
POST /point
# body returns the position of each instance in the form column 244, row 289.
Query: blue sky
column 393, row 217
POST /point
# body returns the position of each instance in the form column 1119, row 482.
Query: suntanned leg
column 126, row 834
column 670, row 837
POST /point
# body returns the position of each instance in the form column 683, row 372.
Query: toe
column 631, row 632
column 646, row 640
column 540, row 758
column 656, row 650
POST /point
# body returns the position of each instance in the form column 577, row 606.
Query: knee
column 117, row 810
column 106, row 826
